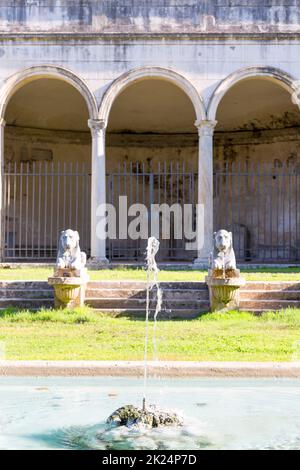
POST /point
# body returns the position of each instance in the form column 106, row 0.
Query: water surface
column 70, row 413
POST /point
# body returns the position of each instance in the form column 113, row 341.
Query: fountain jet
column 150, row 416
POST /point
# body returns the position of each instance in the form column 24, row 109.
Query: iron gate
column 170, row 183
column 39, row 200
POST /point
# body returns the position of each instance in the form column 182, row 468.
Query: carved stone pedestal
column 224, row 289
column 69, row 287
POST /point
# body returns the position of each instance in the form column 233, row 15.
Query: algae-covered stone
column 153, row 417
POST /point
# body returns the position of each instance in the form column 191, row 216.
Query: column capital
column 205, row 127
column 96, row 125
column 2, row 122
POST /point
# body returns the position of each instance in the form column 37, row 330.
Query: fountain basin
column 224, row 289
column 70, row 413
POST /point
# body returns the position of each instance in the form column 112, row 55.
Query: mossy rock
column 130, row 415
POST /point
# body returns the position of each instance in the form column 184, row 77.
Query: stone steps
column 263, row 296
column 272, row 285
column 24, row 285
column 168, row 294
column 141, row 303
column 180, row 299
column 270, row 295
column 25, row 294
column 30, row 294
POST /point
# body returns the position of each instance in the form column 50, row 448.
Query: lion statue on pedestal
column 69, row 255
column 222, row 256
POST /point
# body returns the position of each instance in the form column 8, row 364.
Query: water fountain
column 147, row 415
column 223, row 280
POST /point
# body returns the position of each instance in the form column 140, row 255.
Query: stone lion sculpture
column 223, row 255
column 69, row 254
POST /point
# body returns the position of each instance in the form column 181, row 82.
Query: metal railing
column 39, row 200
column 170, row 183
column 259, row 203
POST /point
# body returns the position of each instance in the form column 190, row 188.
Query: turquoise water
column 70, row 413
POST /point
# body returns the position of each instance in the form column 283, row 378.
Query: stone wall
column 156, row 16
column 28, row 145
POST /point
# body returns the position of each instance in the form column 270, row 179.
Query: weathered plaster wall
column 22, row 145
column 205, row 63
column 152, row 149
column 155, row 16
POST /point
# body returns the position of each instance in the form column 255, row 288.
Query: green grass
column 83, row 334
column 251, row 274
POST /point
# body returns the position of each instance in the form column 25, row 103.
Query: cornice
column 31, row 36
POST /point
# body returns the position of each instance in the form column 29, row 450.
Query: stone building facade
column 177, row 101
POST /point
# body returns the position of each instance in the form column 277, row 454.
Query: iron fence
column 259, row 203
column 169, row 183
column 39, row 200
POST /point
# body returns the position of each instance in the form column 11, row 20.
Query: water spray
column 152, row 280
column 151, row 416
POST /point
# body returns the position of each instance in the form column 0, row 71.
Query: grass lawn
column 251, row 274
column 86, row 335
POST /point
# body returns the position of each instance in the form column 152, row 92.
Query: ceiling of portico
column 256, row 104
column 152, row 106
column 48, row 104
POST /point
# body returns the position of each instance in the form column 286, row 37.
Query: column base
column 200, row 263
column 95, row 262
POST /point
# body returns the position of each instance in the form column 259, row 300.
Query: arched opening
column 152, row 158
column 257, row 170
column 47, row 159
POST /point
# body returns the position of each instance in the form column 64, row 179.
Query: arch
column 270, row 73
column 29, row 74
column 141, row 73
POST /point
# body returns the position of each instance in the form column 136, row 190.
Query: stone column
column 205, row 191
column 2, row 234
column 98, row 192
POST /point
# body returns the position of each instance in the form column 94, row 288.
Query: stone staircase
column 180, row 299
column 25, row 294
column 263, row 296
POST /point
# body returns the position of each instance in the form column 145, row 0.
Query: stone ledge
column 163, row 368
column 133, row 36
